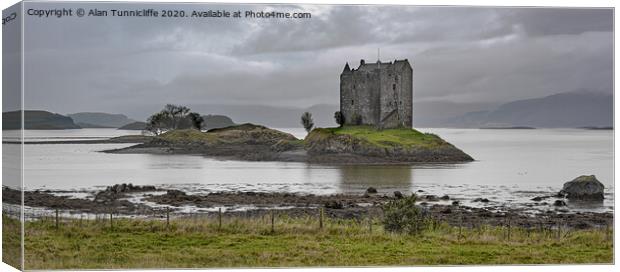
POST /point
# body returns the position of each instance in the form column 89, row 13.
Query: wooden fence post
column 57, row 223
column 219, row 218
column 273, row 219
column 321, row 218
column 111, row 221
column 509, row 227
column 167, row 217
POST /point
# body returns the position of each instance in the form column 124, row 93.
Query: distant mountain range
column 564, row 110
column 570, row 110
column 37, row 119
column 272, row 116
column 100, row 120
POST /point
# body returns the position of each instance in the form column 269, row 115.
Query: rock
column 398, row 194
column 584, row 188
column 483, row 200
column 445, row 197
column 538, row 198
column 334, row 205
column 371, row 190
column 175, row 193
column 559, row 203
column 431, row 198
column 455, row 203
column 420, row 191
column 446, row 210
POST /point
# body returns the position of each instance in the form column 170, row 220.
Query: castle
column 378, row 94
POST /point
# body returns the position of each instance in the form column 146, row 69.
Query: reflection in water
column 355, row 177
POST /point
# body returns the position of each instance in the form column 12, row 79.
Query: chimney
column 362, row 62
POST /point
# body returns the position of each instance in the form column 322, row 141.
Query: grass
column 187, row 136
column 405, row 137
column 11, row 241
column 250, row 242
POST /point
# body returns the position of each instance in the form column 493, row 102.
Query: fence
column 544, row 227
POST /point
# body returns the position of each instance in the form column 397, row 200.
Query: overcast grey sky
column 459, row 54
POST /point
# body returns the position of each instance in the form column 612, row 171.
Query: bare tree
column 173, row 117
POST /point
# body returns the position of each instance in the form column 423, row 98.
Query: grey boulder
column 583, row 188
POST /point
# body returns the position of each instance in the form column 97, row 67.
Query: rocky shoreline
column 345, row 206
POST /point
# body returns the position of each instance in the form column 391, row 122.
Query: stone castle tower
column 378, row 94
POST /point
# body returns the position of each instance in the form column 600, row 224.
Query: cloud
column 460, row 54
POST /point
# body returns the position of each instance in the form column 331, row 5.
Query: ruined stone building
column 378, row 94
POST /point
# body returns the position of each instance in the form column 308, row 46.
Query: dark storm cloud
column 459, row 55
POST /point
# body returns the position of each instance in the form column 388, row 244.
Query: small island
column 345, row 145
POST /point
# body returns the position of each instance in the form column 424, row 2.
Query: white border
column 533, row 3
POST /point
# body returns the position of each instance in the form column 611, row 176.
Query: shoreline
column 153, row 201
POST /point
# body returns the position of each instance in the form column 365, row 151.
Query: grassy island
column 404, row 137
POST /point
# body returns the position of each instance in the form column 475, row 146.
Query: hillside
column 217, row 121
column 134, row 126
column 37, row 119
column 100, row 119
column 564, row 110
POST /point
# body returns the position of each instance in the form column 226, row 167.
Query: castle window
column 352, row 102
column 396, row 78
column 394, row 87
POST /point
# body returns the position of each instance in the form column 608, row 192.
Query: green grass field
column 405, row 137
column 250, row 242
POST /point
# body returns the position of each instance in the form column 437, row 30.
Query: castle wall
column 407, row 110
column 381, row 94
column 360, row 97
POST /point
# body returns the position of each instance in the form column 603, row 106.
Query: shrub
column 339, row 118
column 306, row 121
column 403, row 216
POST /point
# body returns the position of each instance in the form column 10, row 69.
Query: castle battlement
column 378, row 94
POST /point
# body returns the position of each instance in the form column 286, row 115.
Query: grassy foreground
column 250, row 242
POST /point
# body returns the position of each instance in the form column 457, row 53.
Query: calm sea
column 511, row 167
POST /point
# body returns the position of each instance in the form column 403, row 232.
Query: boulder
column 431, row 198
column 483, row 200
column 398, row 194
column 334, row 205
column 559, row 203
column 446, row 210
column 583, row 188
column 445, row 197
column 371, row 190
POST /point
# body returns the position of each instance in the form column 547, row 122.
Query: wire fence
column 544, row 227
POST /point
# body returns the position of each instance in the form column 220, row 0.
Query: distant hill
column 272, row 116
column 563, row 110
column 87, row 125
column 37, row 119
column 217, row 121
column 100, row 119
column 134, row 126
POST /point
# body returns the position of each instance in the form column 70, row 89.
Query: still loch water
column 511, row 167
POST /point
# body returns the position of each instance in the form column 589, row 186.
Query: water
column 511, row 167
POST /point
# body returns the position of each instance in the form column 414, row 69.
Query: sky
column 460, row 55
